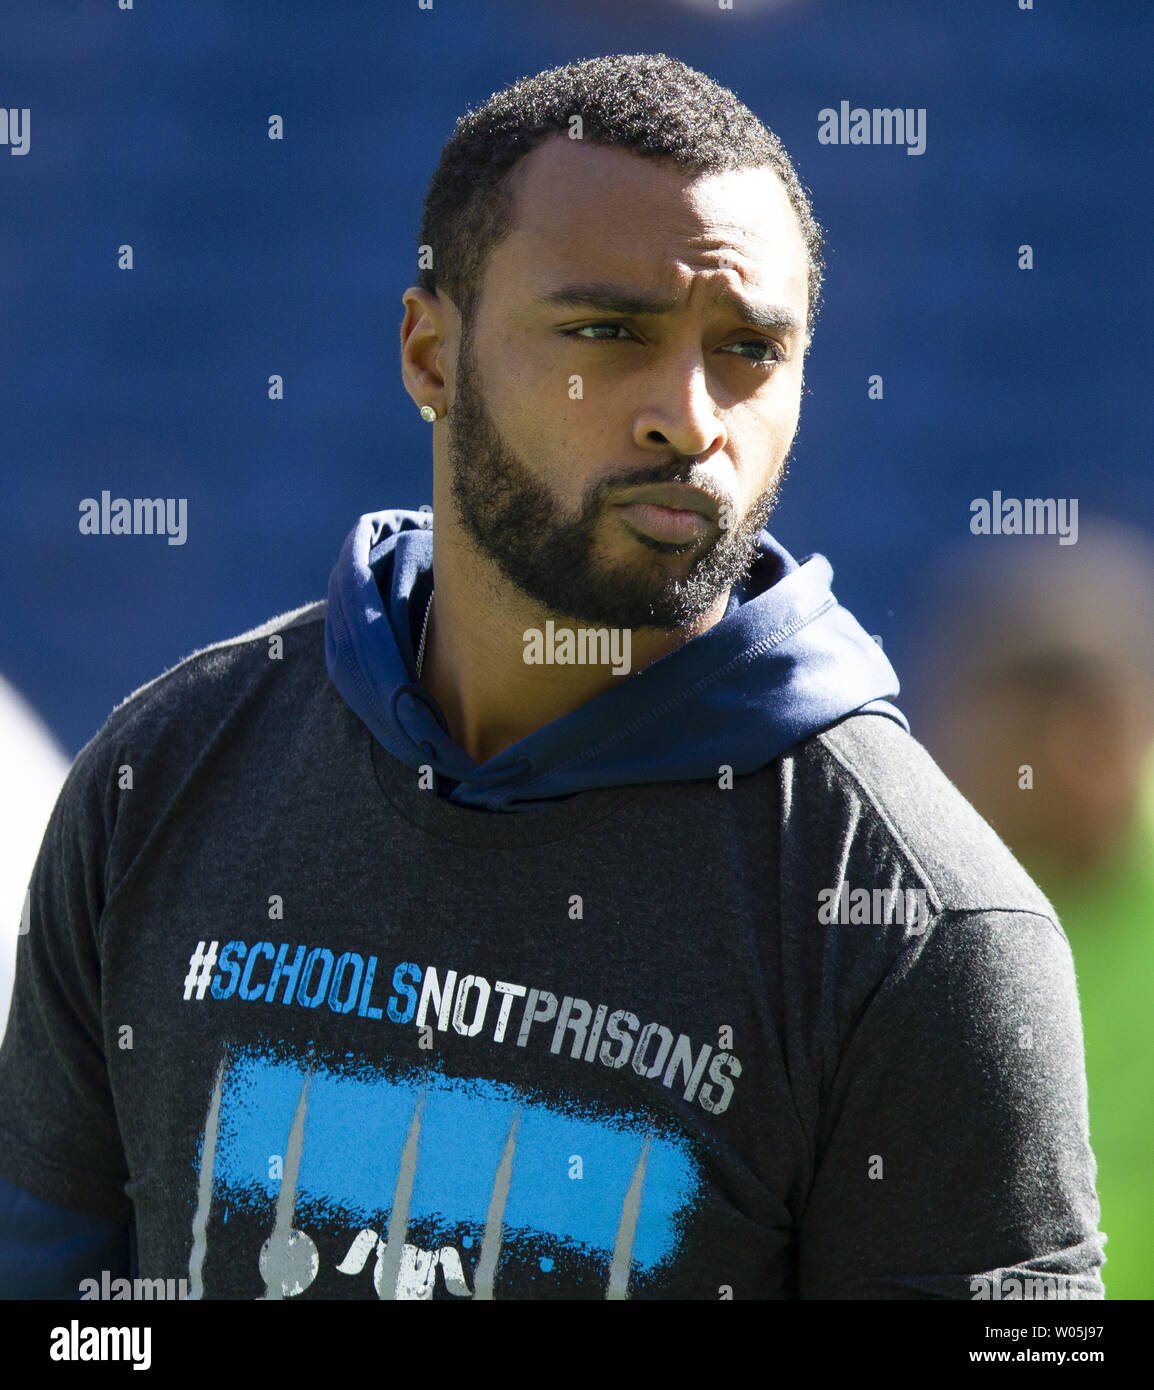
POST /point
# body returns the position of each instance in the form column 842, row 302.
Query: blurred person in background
column 34, row 768
column 1038, row 690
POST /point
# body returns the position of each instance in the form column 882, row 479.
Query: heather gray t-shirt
column 321, row 1034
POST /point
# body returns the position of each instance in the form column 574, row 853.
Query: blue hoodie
column 785, row 662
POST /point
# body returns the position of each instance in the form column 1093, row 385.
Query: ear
column 429, row 333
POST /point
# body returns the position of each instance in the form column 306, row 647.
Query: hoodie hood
column 785, row 662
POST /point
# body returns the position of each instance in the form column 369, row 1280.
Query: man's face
column 566, row 405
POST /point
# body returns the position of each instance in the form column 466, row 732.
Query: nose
column 680, row 411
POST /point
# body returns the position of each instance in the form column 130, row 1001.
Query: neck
column 476, row 665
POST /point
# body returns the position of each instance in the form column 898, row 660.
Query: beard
column 552, row 558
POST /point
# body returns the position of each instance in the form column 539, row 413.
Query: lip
column 674, row 525
column 676, row 497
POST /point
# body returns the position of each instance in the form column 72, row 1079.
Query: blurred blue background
column 254, row 257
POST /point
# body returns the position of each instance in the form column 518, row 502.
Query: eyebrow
column 610, row 299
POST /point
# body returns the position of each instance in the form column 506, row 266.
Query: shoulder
column 231, row 661
column 881, row 794
column 168, row 723
column 221, row 673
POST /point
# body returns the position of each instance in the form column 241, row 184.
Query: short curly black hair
column 648, row 103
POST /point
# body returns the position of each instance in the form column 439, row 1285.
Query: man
column 503, row 960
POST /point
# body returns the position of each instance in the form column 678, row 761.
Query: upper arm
column 954, row 1136
column 59, row 1136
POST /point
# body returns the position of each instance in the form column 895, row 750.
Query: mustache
column 680, row 471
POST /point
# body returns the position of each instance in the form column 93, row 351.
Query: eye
column 594, row 328
column 773, row 354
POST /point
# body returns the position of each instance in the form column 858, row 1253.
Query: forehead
column 600, row 212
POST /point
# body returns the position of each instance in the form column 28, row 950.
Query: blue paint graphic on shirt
column 356, row 1126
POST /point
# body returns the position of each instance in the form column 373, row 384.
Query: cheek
column 566, row 435
column 783, row 421
column 557, row 440
column 766, row 438
column 789, row 405
column 513, row 400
